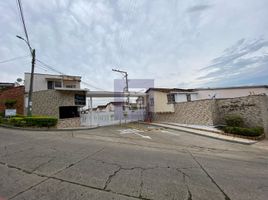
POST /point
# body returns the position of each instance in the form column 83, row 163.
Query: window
column 151, row 101
column 171, row 98
column 52, row 84
column 57, row 84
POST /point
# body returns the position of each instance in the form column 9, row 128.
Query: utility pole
column 32, row 51
column 125, row 74
column 29, row 108
column 30, row 103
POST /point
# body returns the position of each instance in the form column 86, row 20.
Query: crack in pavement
column 141, row 184
column 184, row 175
column 110, row 178
column 142, row 171
column 210, row 177
column 41, row 175
column 108, row 181
column 42, row 164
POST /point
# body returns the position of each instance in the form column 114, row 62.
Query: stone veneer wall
column 69, row 122
column 253, row 109
column 47, row 102
column 250, row 108
column 194, row 112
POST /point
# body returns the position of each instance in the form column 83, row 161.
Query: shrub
column 35, row 121
column 234, row 120
column 17, row 121
column 41, row 121
column 251, row 132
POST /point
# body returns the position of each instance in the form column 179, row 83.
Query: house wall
column 47, row 102
column 16, row 93
column 230, row 93
column 182, row 97
column 40, row 81
column 253, row 109
column 160, row 102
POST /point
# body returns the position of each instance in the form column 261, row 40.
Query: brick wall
column 16, row 93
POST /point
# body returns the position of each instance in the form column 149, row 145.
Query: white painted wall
column 230, row 93
column 40, row 81
column 194, row 97
column 180, row 98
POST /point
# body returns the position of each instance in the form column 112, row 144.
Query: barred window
column 171, row 98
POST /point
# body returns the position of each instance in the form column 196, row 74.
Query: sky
column 178, row 43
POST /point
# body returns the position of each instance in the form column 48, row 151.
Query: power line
column 61, row 73
column 13, row 59
column 50, row 67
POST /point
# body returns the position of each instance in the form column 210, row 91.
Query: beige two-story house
column 59, row 96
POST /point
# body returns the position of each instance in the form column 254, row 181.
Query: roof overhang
column 114, row 94
column 71, row 89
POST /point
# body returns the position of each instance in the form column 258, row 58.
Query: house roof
column 116, row 103
column 71, row 89
column 234, row 87
column 101, row 106
column 55, row 75
column 168, row 90
column 6, row 84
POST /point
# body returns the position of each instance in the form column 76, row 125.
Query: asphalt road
column 129, row 162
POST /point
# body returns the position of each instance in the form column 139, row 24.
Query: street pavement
column 133, row 161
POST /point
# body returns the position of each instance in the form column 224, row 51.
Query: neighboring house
column 116, row 105
column 56, row 95
column 6, row 85
column 101, row 108
column 161, row 100
column 10, row 92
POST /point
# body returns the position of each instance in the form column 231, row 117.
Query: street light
column 29, row 109
column 125, row 74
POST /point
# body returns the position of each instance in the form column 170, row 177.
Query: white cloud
column 166, row 40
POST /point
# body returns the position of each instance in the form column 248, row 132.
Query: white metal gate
column 109, row 118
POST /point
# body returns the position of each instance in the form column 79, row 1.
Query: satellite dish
column 19, row 80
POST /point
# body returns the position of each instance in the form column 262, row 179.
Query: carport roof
column 114, row 94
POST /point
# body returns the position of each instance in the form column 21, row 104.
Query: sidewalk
column 206, row 131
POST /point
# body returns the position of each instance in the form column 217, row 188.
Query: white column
column 91, row 109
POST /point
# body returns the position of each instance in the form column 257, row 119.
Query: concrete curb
column 47, row 129
column 215, row 136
